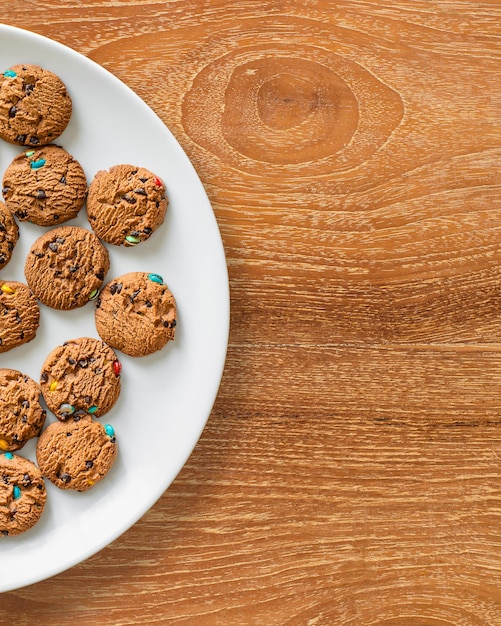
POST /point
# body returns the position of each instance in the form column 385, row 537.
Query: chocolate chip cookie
column 126, row 204
column 21, row 414
column 81, row 376
column 66, row 266
column 46, row 186
column 19, row 315
column 35, row 106
column 9, row 234
column 77, row 453
column 22, row 494
column 136, row 313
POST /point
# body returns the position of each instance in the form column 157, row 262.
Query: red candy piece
column 117, row 368
column 158, row 182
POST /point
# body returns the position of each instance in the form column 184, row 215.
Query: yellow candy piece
column 53, row 385
column 91, row 482
column 6, row 289
column 3, row 444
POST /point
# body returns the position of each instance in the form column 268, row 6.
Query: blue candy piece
column 36, row 165
column 16, row 492
column 9, row 455
column 10, row 74
column 92, row 410
column 110, row 431
column 156, row 278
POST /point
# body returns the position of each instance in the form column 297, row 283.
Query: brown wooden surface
column 350, row 471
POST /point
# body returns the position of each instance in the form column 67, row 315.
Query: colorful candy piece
column 156, row 278
column 16, row 492
column 132, row 239
column 35, row 165
column 117, row 367
column 67, row 408
column 94, row 294
column 158, row 182
column 9, row 455
column 53, row 385
column 4, row 444
column 110, row 431
column 9, row 74
column 6, row 289
column 92, row 409
column 30, row 153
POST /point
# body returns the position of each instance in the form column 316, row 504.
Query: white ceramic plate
column 166, row 397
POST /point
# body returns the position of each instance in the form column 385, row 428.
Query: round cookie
column 22, row 494
column 77, row 453
column 126, row 204
column 9, row 234
column 35, row 106
column 81, row 376
column 19, row 315
column 66, row 266
column 21, row 414
column 136, row 313
column 46, row 186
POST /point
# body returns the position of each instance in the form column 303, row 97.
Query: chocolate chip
column 71, row 361
column 129, row 199
column 21, row 214
column 20, row 139
column 28, row 88
column 65, row 478
column 26, row 480
column 100, row 275
column 24, row 419
column 4, row 532
column 87, row 399
column 89, row 464
column 143, row 180
column 10, row 246
column 73, row 268
column 44, row 377
column 41, row 194
column 13, row 111
column 83, row 363
column 39, row 255
column 60, row 240
column 25, row 404
column 115, row 288
column 34, row 141
column 135, row 295
column 3, row 258
column 53, row 246
column 62, row 180
column 147, row 230
column 5, row 479
column 68, row 434
column 140, row 192
column 5, row 190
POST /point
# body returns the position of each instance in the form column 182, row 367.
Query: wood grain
column 349, row 472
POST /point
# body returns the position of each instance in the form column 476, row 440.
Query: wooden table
column 349, row 473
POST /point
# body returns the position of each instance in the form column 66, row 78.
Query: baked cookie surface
column 66, row 266
column 35, row 106
column 22, row 494
column 81, row 376
column 77, row 453
column 136, row 313
column 126, row 204
column 19, row 314
column 9, row 234
column 21, row 414
column 46, row 186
